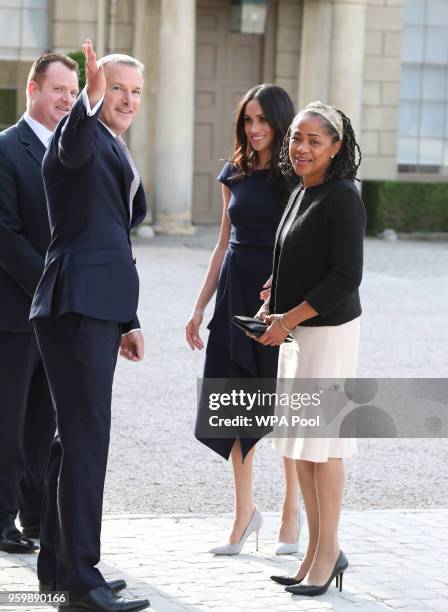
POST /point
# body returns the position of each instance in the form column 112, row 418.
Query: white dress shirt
column 42, row 132
column 86, row 102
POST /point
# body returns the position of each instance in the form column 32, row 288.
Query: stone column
column 347, row 58
column 332, row 58
column 142, row 134
column 100, row 42
column 173, row 188
column 315, row 53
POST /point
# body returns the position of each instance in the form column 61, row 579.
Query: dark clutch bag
column 253, row 326
column 249, row 324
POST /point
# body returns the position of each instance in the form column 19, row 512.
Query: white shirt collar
column 108, row 129
column 42, row 132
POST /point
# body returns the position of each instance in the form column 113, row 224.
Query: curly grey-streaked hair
column 344, row 164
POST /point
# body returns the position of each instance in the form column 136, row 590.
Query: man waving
column 83, row 311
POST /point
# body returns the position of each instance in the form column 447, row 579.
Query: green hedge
column 78, row 56
column 406, row 207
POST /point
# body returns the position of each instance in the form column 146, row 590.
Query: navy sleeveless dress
column 254, row 210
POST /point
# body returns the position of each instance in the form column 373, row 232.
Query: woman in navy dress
column 254, row 195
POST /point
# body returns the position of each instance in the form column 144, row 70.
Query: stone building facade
column 349, row 53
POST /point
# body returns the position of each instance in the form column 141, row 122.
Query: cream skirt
column 319, row 352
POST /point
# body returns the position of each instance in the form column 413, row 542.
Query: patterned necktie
column 136, row 180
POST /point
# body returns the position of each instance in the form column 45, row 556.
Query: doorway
column 227, row 65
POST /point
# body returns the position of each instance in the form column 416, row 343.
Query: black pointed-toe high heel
column 339, row 581
column 285, row 580
column 312, row 591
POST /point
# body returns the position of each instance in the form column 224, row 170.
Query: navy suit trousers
column 79, row 354
column 27, row 428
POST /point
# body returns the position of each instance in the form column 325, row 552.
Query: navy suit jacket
column 24, row 228
column 89, row 268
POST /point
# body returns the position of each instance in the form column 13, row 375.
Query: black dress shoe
column 312, row 591
column 102, row 599
column 114, row 585
column 32, row 532
column 13, row 541
column 285, row 580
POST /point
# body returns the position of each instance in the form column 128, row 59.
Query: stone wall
column 287, row 46
column 72, row 22
column 381, row 91
column 303, row 60
column 13, row 75
column 304, row 66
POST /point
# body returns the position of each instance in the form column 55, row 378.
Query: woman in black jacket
column 314, row 297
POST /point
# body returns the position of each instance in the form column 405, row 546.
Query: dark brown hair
column 40, row 66
column 278, row 109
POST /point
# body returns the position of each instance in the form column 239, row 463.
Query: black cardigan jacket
column 321, row 258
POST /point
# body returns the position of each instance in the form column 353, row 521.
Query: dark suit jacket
column 24, row 229
column 321, row 258
column 89, row 267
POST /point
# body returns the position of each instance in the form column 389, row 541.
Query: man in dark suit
column 83, row 311
column 26, row 413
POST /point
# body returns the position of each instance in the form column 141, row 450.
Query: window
column 23, row 28
column 8, row 106
column 423, row 132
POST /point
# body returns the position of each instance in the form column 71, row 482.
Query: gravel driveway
column 155, row 463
